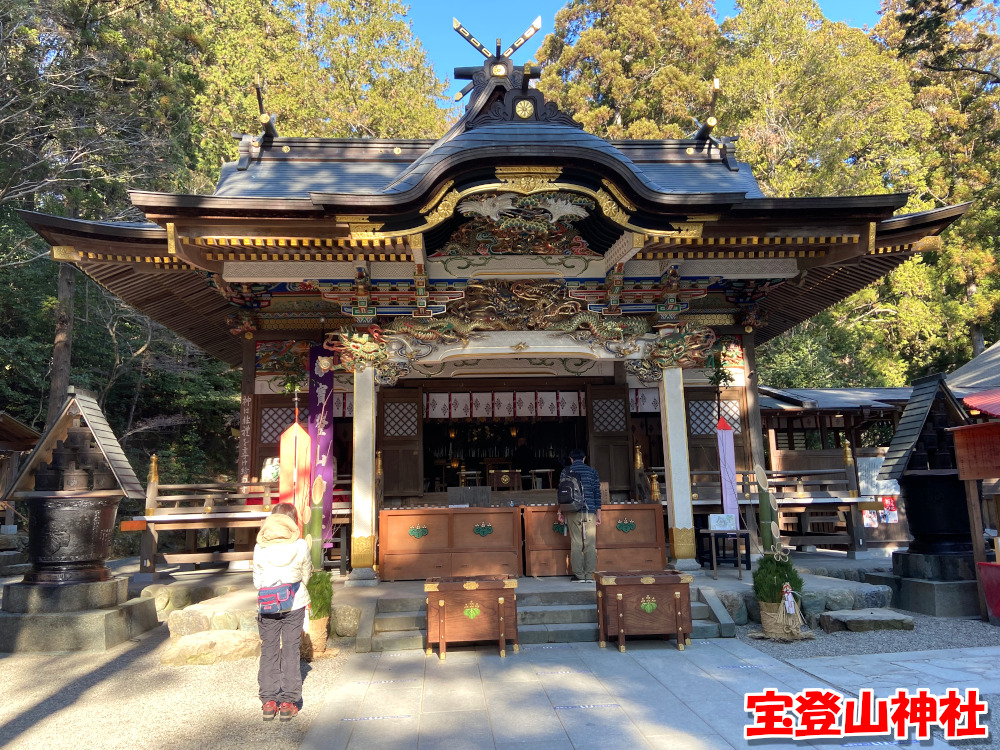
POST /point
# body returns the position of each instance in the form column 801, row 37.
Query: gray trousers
column 582, row 529
column 278, row 677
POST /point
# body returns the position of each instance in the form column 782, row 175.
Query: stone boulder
column 735, row 605
column 345, row 619
column 837, row 599
column 211, row 647
column 812, row 605
column 873, row 597
column 183, row 622
column 753, row 607
column 225, row 621
column 227, row 612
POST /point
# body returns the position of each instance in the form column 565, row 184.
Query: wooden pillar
column 363, row 480
column 677, row 470
column 978, row 544
column 245, row 470
column 754, row 423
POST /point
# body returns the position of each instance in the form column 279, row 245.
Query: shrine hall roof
column 297, row 167
column 832, row 399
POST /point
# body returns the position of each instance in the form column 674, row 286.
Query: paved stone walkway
column 935, row 670
column 578, row 696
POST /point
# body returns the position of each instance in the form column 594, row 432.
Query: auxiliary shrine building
column 464, row 312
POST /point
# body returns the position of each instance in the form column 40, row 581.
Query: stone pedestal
column 938, row 585
column 362, row 577
column 934, row 567
column 90, row 616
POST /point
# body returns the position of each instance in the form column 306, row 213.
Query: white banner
column 727, row 468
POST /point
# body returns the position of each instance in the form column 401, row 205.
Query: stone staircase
column 542, row 617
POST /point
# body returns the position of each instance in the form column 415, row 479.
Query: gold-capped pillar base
column 682, row 544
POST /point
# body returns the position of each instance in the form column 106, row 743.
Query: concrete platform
column 23, row 598
column 75, row 617
column 93, row 630
column 936, row 598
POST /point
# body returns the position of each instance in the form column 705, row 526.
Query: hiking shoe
column 574, row 579
column 270, row 709
column 288, row 712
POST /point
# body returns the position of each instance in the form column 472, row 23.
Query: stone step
column 704, row 629
column 401, row 603
column 585, row 594
column 576, row 632
column 15, row 570
column 402, row 640
column 9, row 541
column 863, row 620
column 388, row 622
column 12, row 557
column 556, row 615
column 393, row 620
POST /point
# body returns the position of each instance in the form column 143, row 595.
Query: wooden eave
column 897, row 239
column 160, row 207
column 130, row 262
column 16, row 435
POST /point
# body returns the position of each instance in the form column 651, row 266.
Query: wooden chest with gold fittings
column 644, row 603
column 473, row 608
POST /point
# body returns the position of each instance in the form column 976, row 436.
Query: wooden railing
column 786, row 485
column 223, row 497
column 229, row 507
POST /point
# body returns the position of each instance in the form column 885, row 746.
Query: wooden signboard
column 977, row 448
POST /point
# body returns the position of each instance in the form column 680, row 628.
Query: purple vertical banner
column 324, row 462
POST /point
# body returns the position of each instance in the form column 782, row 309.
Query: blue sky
column 508, row 18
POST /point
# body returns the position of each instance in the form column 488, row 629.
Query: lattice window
column 401, row 419
column 702, row 416
column 274, row 420
column 609, row 414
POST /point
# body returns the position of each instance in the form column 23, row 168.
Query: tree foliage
column 379, row 81
column 819, row 108
column 110, row 96
column 631, row 68
column 951, row 36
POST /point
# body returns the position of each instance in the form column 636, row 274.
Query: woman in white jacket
column 281, row 556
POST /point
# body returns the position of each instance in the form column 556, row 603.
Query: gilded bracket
column 65, row 254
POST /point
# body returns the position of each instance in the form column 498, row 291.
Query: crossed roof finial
column 467, row 35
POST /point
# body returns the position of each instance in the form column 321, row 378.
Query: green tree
column 820, row 109
column 951, row 36
column 824, row 109
column 953, row 52
column 247, row 41
column 632, row 68
column 377, row 80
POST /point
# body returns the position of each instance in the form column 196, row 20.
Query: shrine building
column 461, row 313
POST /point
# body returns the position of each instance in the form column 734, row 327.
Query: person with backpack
column 579, row 497
column 282, row 567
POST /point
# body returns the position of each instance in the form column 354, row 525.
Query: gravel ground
column 125, row 699
column 929, row 633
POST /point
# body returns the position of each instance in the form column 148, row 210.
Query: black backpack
column 570, row 494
